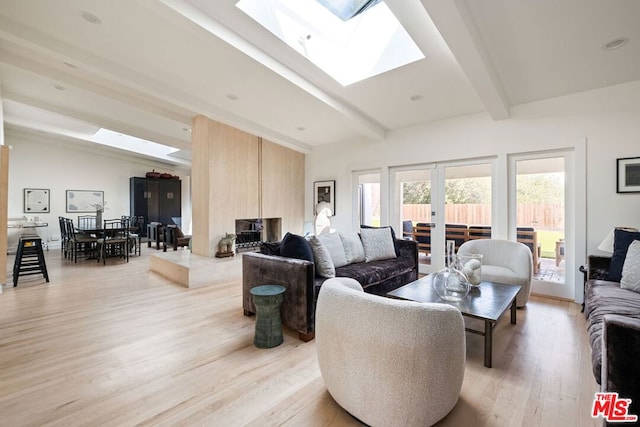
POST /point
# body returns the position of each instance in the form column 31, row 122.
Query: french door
column 442, row 201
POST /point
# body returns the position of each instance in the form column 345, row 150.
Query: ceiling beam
column 105, row 78
column 455, row 24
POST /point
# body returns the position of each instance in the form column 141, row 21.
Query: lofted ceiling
column 149, row 66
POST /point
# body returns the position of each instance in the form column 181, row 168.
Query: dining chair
column 78, row 243
column 86, row 222
column 134, row 224
column 63, row 236
column 114, row 241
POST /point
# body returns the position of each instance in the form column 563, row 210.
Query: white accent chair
column 389, row 362
column 504, row 261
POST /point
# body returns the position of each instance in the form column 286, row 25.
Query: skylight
column 132, row 143
column 369, row 44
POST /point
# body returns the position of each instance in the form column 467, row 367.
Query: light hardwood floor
column 118, row 345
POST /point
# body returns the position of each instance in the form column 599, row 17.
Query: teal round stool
column 267, row 299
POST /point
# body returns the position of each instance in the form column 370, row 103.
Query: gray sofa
column 302, row 284
column 613, row 322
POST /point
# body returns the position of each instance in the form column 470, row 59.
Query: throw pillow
column 378, row 244
column 353, row 249
column 322, row 258
column 271, row 248
column 393, row 236
column 631, row 268
column 621, row 241
column 294, row 246
column 333, row 243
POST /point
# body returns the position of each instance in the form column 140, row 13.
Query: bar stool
column 267, row 299
column 29, row 258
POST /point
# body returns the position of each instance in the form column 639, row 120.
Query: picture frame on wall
column 84, row 200
column 324, row 192
column 628, row 175
column 37, row 200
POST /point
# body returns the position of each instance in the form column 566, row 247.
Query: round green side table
column 267, row 299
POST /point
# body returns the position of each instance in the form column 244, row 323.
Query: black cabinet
column 157, row 200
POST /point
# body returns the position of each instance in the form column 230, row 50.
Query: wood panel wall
column 4, row 202
column 238, row 175
column 283, row 186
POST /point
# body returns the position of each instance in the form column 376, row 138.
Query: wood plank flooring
column 117, row 345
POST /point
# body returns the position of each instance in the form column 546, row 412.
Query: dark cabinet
column 157, row 200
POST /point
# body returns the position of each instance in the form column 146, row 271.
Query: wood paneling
column 226, row 181
column 283, row 186
column 4, row 200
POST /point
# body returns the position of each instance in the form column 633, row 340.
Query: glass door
column 467, row 202
column 540, row 220
column 411, row 209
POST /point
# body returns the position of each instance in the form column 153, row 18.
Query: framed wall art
column 628, row 175
column 84, row 200
column 36, row 200
column 324, row 192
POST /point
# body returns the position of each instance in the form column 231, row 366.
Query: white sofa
column 389, row 362
column 504, row 261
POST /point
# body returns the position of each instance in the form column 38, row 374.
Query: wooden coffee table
column 487, row 302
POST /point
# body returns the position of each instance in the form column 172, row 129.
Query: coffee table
column 487, row 302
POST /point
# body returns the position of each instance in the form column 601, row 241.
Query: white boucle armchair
column 389, row 362
column 504, row 261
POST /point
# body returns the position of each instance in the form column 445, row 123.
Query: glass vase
column 450, row 283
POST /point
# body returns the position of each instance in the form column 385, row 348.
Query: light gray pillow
column 353, row 249
column 631, row 268
column 333, row 243
column 322, row 258
column 378, row 244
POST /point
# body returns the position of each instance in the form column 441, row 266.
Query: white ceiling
column 150, row 66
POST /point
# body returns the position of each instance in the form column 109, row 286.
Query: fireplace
column 250, row 233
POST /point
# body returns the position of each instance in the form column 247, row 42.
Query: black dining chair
column 114, row 241
column 135, row 224
column 78, row 243
column 86, row 222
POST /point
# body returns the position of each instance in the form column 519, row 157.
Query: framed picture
column 324, row 192
column 628, row 172
column 84, row 200
column 36, row 200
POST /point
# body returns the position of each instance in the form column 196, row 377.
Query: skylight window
column 347, row 9
column 369, row 44
column 132, row 143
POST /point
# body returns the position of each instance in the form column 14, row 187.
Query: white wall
column 608, row 119
column 42, row 161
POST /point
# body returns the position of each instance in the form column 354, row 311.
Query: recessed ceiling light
column 232, row 96
column 90, row 17
column 416, row 98
column 186, row 129
column 70, row 65
column 59, row 87
column 616, row 43
column 301, row 128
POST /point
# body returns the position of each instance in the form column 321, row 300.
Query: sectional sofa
column 613, row 323
column 301, row 279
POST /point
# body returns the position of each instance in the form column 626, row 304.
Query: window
column 369, row 44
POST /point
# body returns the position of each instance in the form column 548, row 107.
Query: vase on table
column 99, row 218
column 451, row 284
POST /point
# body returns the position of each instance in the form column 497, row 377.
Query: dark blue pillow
column 270, row 248
column 294, row 246
column 621, row 241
